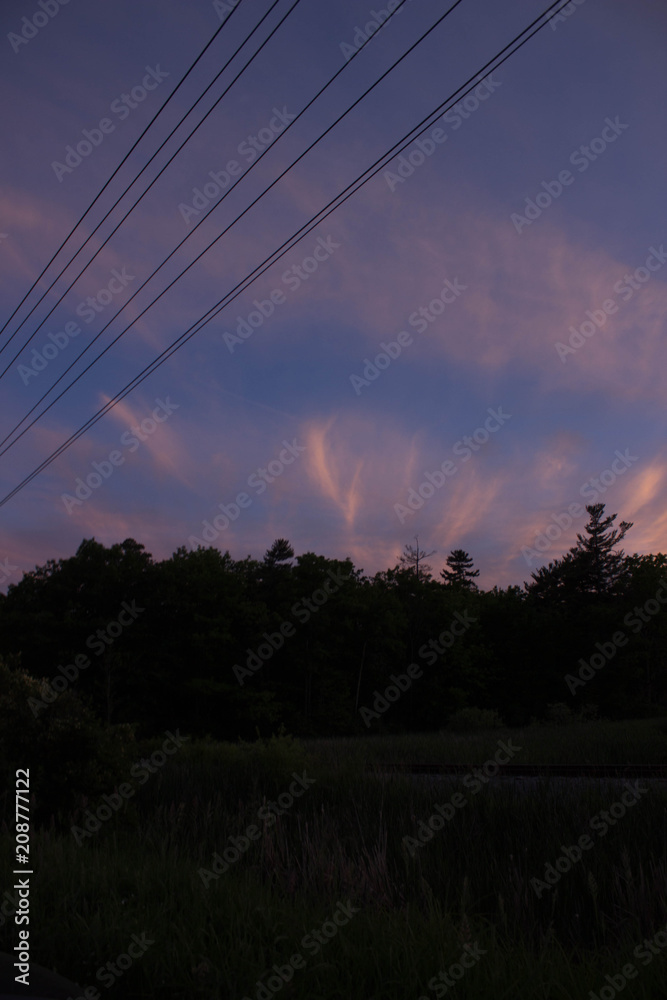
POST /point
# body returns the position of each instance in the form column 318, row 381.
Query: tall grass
column 343, row 841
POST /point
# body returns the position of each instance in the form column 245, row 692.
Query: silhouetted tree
column 230, row 647
column 280, row 552
column 558, row 583
column 412, row 560
column 590, row 568
column 460, row 572
column 603, row 569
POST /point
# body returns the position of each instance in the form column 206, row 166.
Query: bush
column 589, row 713
column 471, row 719
column 559, row 713
column 68, row 751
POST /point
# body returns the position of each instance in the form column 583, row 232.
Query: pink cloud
column 524, row 292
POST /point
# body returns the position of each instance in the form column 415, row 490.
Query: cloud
column 328, row 462
column 642, row 502
column 523, row 294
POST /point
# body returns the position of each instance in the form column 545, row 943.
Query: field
column 320, row 896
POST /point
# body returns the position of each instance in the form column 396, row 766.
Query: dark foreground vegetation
column 211, row 862
column 296, row 866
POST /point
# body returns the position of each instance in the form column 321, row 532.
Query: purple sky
column 533, row 330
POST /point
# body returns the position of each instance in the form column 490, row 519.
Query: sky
column 467, row 350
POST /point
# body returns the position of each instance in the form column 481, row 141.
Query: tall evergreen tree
column 281, row 551
column 603, row 568
column 460, row 572
column 589, row 568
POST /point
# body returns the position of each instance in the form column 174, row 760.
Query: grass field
column 331, row 894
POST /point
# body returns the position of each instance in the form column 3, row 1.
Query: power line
column 220, row 235
column 296, row 237
column 99, row 195
column 131, row 184
column 203, row 219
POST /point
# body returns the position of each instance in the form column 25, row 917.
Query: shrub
column 559, row 713
column 471, row 719
column 588, row 713
column 68, row 751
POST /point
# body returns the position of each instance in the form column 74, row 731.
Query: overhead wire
column 296, row 237
column 220, row 235
column 106, row 185
column 158, row 175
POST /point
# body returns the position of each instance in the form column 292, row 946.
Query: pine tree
column 589, row 568
column 602, row 568
column 460, row 572
column 280, row 551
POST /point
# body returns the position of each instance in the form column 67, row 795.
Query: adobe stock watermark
column 311, row 943
column 646, row 951
column 400, row 683
column 121, row 107
column 407, row 163
column 363, row 33
column 250, row 148
column 258, row 481
column 469, row 957
column 223, row 8
column 141, row 771
column 130, row 439
column 31, row 26
column 581, row 158
column 465, row 448
column 419, row 320
column 625, row 288
column 267, row 813
column 41, row 358
column 111, row 971
column 97, row 642
column 567, row 11
column 592, row 489
column 302, row 611
column 601, row 823
column 606, row 651
column 293, row 278
column 475, row 780
column 6, row 570
column 87, row 309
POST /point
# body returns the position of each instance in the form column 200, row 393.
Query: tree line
column 234, row 647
